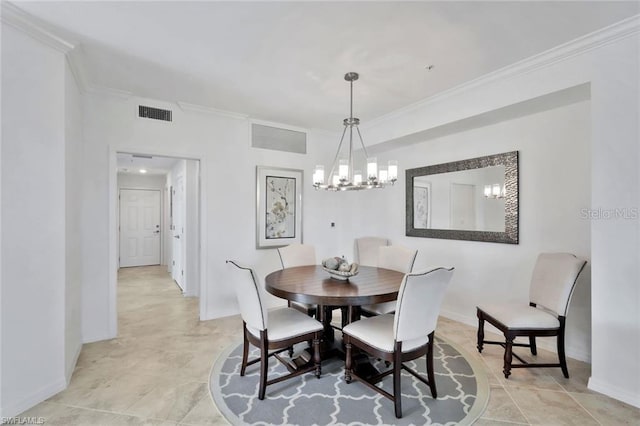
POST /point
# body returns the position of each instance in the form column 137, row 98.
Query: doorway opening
column 157, row 220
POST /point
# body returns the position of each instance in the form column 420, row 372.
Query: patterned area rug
column 463, row 392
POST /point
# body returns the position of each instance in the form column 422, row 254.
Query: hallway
column 156, row 371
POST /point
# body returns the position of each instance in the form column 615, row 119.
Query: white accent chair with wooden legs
column 402, row 337
column 277, row 330
column 552, row 284
column 396, row 258
column 298, row 255
column 366, row 250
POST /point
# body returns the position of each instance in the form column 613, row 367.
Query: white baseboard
column 614, row 392
column 547, row 344
column 97, row 337
column 220, row 314
column 15, row 408
column 69, row 372
column 472, row 321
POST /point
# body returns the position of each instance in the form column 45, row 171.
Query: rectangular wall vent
column 278, row 139
column 154, row 113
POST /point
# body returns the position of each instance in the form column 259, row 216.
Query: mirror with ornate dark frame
column 474, row 199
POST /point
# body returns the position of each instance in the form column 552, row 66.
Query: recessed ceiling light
column 143, row 170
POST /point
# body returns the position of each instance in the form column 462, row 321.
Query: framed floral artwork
column 279, row 206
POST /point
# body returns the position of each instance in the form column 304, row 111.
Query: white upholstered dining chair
column 397, row 258
column 552, row 284
column 298, row 255
column 366, row 250
column 406, row 335
column 275, row 331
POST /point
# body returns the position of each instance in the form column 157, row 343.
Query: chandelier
column 342, row 176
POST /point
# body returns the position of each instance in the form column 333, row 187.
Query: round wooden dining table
column 312, row 284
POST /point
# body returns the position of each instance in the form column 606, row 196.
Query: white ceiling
column 284, row 62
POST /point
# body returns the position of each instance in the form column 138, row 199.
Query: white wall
column 615, row 247
column 189, row 171
column 33, row 216
column 554, row 149
column 73, row 212
column 191, row 220
column 227, row 167
column 608, row 61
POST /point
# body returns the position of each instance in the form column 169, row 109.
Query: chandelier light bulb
column 343, row 170
column 392, row 170
column 357, row 177
column 318, row 175
column 383, row 175
column 372, row 168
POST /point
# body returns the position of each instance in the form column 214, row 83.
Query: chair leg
column 480, row 331
column 508, row 348
column 264, row 363
column 561, row 355
column 245, row 350
column 431, row 377
column 316, row 355
column 532, row 345
column 347, row 360
column 397, row 372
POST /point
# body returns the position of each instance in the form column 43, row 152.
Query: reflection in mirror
column 474, row 199
column 460, row 200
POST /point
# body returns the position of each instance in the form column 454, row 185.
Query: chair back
column 397, row 258
column 297, row 255
column 248, row 291
column 366, row 250
column 553, row 280
column 419, row 301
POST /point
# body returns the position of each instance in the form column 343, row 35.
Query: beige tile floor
column 156, row 371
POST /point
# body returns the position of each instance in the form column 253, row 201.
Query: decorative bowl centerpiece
column 339, row 269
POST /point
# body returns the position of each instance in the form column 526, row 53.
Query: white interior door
column 463, row 206
column 178, row 210
column 139, row 227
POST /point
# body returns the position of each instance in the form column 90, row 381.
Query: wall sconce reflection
column 495, row 191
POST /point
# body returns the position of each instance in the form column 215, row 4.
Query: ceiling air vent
column 154, row 113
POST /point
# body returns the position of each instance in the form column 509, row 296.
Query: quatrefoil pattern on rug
column 462, row 393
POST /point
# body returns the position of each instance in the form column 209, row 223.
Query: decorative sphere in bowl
column 339, row 268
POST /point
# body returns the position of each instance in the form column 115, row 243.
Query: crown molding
column 22, row 21
column 187, row 107
column 595, row 40
column 29, row 25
